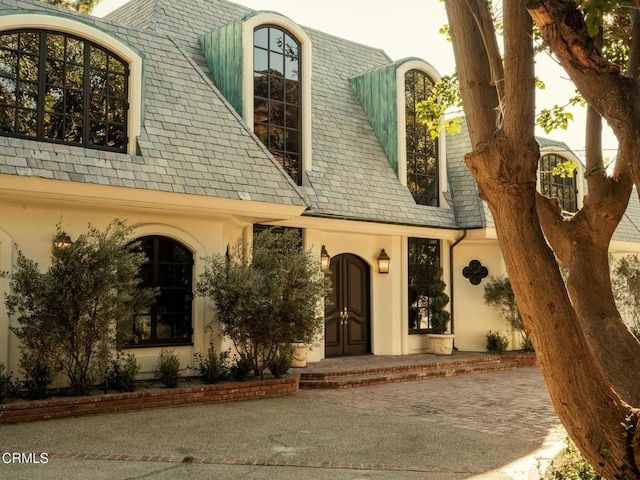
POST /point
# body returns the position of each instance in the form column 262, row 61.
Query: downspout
column 451, row 247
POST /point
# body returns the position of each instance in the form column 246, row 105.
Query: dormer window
column 555, row 186
column 422, row 150
column 57, row 87
column 276, row 91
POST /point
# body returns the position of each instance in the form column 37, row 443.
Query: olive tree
column 590, row 360
column 266, row 296
column 75, row 314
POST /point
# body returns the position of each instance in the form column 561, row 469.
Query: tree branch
column 475, row 74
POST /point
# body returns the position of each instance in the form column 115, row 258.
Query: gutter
column 451, row 247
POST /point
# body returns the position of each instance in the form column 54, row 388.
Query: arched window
column 555, row 186
column 277, row 94
column 58, row 87
column 422, row 156
column 170, row 269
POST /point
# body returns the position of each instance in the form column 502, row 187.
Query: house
column 200, row 121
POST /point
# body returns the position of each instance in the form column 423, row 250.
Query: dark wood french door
column 347, row 317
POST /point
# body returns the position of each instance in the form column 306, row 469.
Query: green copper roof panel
column 222, row 49
column 377, row 92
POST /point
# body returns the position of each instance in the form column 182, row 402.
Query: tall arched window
column 422, row 150
column 58, row 87
column 170, row 269
column 555, row 186
column 277, row 94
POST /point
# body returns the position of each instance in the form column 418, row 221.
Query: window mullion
column 42, row 80
column 86, row 95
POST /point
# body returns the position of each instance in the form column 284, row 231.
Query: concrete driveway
column 486, row 426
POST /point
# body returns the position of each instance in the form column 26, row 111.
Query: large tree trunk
column 569, row 325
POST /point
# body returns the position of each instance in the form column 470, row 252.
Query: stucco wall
column 31, row 224
column 473, row 318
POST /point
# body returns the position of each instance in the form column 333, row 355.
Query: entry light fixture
column 383, row 262
column 325, row 259
column 62, row 241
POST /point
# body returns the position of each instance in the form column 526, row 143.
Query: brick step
column 393, row 369
column 366, row 380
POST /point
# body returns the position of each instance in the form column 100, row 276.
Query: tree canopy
column 84, row 6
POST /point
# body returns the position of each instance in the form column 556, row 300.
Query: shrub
column 496, row 342
column 38, row 375
column 625, row 279
column 242, row 368
column 281, row 362
column 167, row 368
column 74, row 314
column 266, row 296
column 212, row 366
column 121, row 373
column 7, row 385
column 572, row 466
column 498, row 293
column 438, row 316
column 527, row 344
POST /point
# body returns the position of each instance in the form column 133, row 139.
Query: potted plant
column 439, row 342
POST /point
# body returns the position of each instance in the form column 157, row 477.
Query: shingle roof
column 351, row 176
column 629, row 228
column 471, row 211
column 192, row 141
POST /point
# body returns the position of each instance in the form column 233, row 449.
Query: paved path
column 480, row 427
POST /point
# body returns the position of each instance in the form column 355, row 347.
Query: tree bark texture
column 576, row 329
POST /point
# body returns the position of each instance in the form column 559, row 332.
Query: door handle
column 344, row 315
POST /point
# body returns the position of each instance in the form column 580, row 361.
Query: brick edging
column 521, row 359
column 131, row 401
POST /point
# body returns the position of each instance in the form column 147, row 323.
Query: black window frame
column 420, row 269
column 54, row 84
column 421, row 149
column 554, row 186
column 266, row 124
column 156, row 260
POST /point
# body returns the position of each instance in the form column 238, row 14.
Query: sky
column 411, row 29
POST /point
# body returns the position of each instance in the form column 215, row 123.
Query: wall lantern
column 62, row 241
column 383, row 262
column 325, row 259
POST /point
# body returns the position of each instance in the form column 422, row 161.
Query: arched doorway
column 347, row 317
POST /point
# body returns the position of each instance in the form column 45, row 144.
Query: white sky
column 405, row 28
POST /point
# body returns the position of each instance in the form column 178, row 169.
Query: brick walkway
column 514, row 403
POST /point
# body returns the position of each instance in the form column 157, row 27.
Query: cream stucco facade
column 194, row 171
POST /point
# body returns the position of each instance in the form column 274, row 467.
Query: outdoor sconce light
column 325, row 259
column 383, row 262
column 62, row 241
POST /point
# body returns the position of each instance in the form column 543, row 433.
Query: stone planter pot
column 299, row 355
column 440, row 344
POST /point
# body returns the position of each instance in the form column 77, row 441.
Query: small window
column 57, row 87
column 422, row 156
column 170, row 269
column 276, row 90
column 424, row 266
column 555, row 186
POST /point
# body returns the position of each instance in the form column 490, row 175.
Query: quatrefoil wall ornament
column 475, row 272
